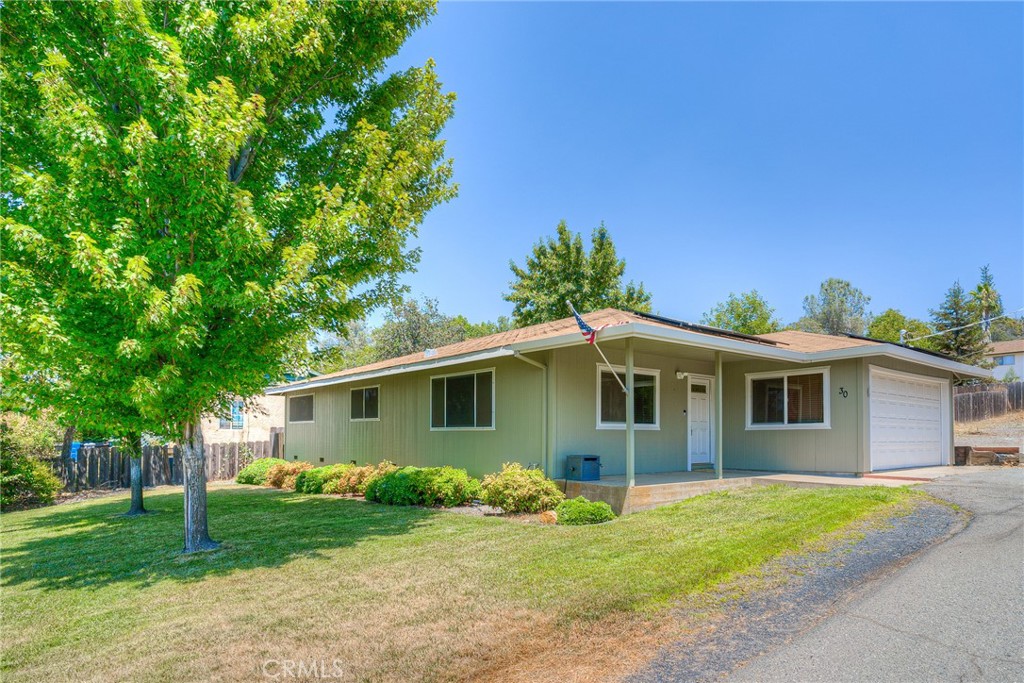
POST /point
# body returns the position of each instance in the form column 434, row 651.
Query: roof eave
column 426, row 364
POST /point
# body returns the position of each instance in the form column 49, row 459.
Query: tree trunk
column 67, row 465
column 197, row 536
column 132, row 445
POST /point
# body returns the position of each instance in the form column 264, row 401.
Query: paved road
column 955, row 613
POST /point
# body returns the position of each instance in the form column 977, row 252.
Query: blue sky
column 732, row 146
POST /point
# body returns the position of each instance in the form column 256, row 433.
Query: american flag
column 588, row 332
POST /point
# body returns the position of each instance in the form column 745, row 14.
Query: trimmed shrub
column 356, row 479
column 314, row 480
column 431, row 486
column 578, row 511
column 283, row 475
column 517, row 489
column 256, row 471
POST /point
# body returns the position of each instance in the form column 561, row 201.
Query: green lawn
column 391, row 593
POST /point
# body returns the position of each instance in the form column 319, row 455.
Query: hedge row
column 515, row 489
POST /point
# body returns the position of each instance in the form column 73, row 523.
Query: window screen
column 613, row 400
column 806, row 399
column 365, row 403
column 767, row 400
column 465, row 401
column 300, row 408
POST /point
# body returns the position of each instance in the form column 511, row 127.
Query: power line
column 903, row 333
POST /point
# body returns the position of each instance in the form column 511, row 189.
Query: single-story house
column 1006, row 357
column 701, row 397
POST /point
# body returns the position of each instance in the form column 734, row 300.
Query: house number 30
column 843, row 392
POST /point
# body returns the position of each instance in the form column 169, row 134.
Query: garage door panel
column 907, row 426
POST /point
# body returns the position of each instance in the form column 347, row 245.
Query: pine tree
column 560, row 270
column 968, row 344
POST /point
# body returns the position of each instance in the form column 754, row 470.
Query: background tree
column 838, row 308
column 747, row 313
column 986, row 299
column 887, row 327
column 331, row 351
column 1008, row 328
column 172, row 184
column 482, row 329
column 411, row 328
column 560, row 269
column 966, row 345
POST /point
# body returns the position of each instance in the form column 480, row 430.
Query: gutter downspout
column 543, row 407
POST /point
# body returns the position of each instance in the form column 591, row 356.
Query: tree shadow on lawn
column 93, row 545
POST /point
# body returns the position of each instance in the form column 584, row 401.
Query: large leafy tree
column 560, row 269
column 891, row 323
column 837, row 308
column 192, row 188
column 964, row 338
column 410, row 327
column 748, row 313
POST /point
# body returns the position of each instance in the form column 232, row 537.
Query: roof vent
column 430, row 353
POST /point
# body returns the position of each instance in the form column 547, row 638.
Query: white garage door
column 909, row 420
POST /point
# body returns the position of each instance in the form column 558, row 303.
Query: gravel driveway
column 894, row 606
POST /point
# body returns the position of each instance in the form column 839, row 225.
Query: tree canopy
column 560, row 269
column 180, row 212
column 837, row 308
column 888, row 325
column 747, row 313
column 965, row 340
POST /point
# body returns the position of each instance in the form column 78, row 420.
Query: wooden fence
column 984, row 401
column 106, row 467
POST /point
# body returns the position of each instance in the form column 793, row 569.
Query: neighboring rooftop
column 1005, row 347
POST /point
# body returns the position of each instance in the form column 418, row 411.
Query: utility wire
column 987, row 321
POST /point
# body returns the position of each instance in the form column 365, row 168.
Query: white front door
column 699, row 442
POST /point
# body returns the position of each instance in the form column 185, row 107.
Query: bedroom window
column 237, row 419
column 300, row 408
column 464, row 401
column 611, row 401
column 365, row 404
column 788, row 400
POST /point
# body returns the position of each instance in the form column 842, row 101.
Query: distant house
column 701, row 397
column 1006, row 356
column 241, row 425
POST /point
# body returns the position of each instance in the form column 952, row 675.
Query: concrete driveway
column 955, row 613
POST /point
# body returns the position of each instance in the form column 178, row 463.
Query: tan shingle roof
column 809, row 342
column 1012, row 346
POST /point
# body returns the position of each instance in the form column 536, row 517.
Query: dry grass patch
column 394, row 594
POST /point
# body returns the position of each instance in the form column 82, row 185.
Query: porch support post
column 630, row 410
column 718, row 414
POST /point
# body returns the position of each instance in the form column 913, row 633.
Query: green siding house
column 700, row 398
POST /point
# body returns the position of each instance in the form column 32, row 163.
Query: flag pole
column 603, row 357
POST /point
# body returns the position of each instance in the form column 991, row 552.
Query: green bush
column 314, row 480
column 256, row 471
column 432, row 486
column 517, row 489
column 24, row 478
column 578, row 511
column 356, row 479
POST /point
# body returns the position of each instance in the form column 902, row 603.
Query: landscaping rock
column 549, row 517
column 982, row 458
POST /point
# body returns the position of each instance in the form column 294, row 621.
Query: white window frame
column 1009, row 357
column 301, row 422
column 785, row 375
column 230, row 420
column 651, row 372
column 364, row 419
column 494, row 400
